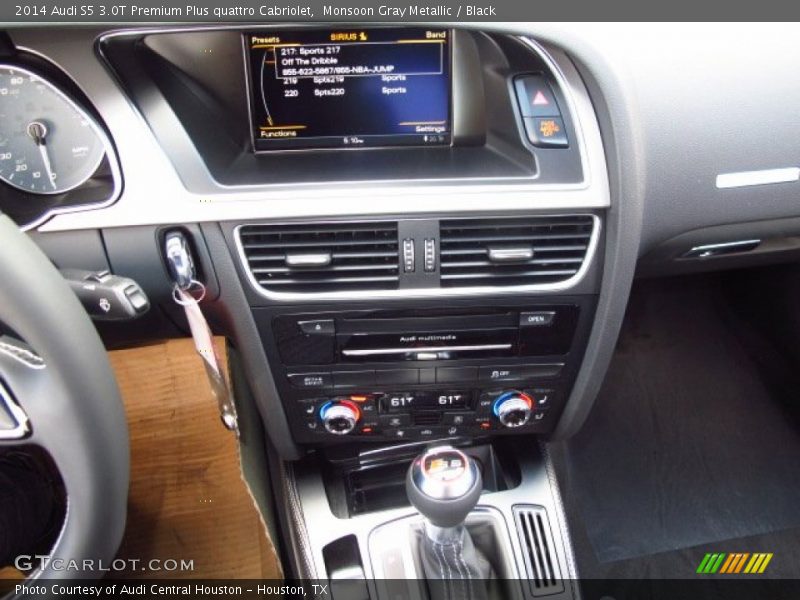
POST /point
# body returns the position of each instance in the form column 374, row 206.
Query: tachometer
column 48, row 144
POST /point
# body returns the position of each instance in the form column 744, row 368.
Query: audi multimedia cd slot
column 388, row 336
column 349, row 88
column 427, row 339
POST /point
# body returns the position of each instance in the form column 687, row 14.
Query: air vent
column 319, row 258
column 518, row 251
column 538, row 549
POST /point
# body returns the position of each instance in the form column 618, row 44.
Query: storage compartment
column 355, row 487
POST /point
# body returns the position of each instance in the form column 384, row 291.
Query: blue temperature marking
column 499, row 401
column 324, row 408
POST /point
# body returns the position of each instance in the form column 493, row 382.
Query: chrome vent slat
column 541, row 564
column 500, row 275
column 462, row 251
column 559, row 245
column 263, row 270
column 363, row 256
column 535, row 261
column 285, row 245
column 298, row 281
column 368, row 227
column 499, row 237
column 565, row 221
column 334, row 256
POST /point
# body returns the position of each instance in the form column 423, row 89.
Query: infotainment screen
column 349, row 88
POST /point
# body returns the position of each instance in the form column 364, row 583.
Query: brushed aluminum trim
column 384, row 351
column 708, row 250
column 761, row 177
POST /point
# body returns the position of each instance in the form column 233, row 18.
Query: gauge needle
column 38, row 131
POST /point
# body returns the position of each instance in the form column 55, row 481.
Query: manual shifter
column 444, row 485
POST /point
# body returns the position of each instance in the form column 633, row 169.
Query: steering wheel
column 61, row 395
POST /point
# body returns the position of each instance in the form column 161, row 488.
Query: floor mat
column 187, row 498
column 685, row 446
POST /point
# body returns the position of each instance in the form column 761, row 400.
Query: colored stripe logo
column 734, row 563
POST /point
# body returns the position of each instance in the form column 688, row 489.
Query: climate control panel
column 425, row 414
column 430, row 370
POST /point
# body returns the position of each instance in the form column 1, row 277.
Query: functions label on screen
column 349, row 88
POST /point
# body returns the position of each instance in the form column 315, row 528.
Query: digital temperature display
column 349, row 89
column 405, row 402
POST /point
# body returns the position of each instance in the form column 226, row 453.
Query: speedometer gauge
column 48, row 144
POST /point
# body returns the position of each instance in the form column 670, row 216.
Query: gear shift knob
column 444, row 485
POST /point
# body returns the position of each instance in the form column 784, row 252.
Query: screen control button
column 402, row 376
column 535, row 97
column 485, row 403
column 431, row 432
column 457, row 418
column 318, row 327
column 314, row 425
column 427, row 375
column 371, row 421
column 342, row 379
column 455, row 430
column 369, row 409
column 396, row 420
column 484, row 423
column 520, row 372
column 538, row 417
column 544, row 397
column 310, row 380
column 456, row 374
column 309, row 408
column 540, row 318
column 401, row 433
column 546, row 132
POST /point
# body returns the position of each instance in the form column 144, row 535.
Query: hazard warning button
column 535, row 97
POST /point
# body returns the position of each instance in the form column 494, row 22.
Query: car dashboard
column 408, row 233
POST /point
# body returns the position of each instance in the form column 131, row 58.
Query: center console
column 437, row 270
column 407, row 327
column 426, row 372
column 421, row 329
column 518, row 544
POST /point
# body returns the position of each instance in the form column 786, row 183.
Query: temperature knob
column 339, row 418
column 513, row 409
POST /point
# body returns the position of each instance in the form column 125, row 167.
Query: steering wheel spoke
column 23, row 370
column 59, row 393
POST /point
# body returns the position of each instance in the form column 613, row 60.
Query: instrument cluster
column 55, row 156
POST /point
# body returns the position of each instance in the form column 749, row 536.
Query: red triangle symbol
column 540, row 99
